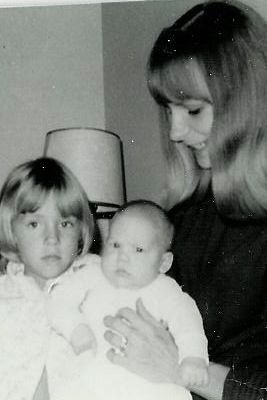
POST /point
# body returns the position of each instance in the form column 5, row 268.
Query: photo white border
column 23, row 3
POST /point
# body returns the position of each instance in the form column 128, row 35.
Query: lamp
column 95, row 156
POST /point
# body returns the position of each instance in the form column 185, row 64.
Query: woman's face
column 191, row 122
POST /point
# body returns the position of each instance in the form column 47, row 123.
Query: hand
column 194, row 372
column 142, row 345
column 83, row 339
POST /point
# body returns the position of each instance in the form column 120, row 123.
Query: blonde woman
column 208, row 74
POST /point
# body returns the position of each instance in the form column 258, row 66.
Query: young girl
column 45, row 225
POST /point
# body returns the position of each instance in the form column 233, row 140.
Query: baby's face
column 132, row 255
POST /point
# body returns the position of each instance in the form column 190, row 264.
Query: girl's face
column 47, row 242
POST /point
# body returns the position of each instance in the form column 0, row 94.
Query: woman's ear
column 166, row 262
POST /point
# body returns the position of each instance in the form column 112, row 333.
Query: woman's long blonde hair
column 227, row 42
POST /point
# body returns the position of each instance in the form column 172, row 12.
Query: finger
column 116, row 358
column 113, row 339
column 135, row 321
column 118, row 324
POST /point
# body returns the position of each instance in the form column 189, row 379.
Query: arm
column 184, row 321
column 243, row 382
column 152, row 354
column 214, row 389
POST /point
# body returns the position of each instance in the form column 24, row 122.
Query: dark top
column 222, row 264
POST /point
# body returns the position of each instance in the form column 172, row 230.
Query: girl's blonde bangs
column 32, row 197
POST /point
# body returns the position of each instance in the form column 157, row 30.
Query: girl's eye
column 139, row 249
column 66, row 224
column 194, row 111
column 116, row 245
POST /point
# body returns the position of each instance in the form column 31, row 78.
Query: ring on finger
column 123, row 345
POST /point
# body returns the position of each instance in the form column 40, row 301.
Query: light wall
column 51, row 76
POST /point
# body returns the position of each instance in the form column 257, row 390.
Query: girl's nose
column 178, row 125
column 52, row 233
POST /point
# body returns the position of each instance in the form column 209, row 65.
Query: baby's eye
column 139, row 249
column 32, row 224
column 194, row 111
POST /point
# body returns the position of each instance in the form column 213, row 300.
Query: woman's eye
column 168, row 110
column 115, row 245
column 139, row 249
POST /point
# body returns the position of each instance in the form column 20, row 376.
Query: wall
column 51, row 76
column 129, row 31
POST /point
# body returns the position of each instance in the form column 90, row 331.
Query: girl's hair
column 227, row 42
column 27, row 187
column 155, row 214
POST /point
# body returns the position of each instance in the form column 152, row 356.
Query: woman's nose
column 178, row 126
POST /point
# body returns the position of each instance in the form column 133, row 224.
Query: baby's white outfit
column 87, row 297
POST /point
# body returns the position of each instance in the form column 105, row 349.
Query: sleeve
column 184, row 321
column 66, row 297
column 247, row 378
column 247, row 381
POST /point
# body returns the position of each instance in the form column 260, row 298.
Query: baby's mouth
column 122, row 273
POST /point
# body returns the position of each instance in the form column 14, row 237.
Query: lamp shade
column 95, row 157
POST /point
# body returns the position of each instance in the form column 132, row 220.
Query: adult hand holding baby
column 150, row 350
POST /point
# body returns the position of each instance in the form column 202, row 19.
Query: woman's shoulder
column 192, row 204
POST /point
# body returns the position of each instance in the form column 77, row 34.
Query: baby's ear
column 166, row 262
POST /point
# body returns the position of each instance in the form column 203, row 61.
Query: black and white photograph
column 133, row 200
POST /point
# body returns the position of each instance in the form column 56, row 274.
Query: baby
column 135, row 259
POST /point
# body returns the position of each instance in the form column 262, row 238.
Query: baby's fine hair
column 156, row 215
column 27, row 187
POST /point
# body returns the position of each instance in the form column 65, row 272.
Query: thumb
column 145, row 314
